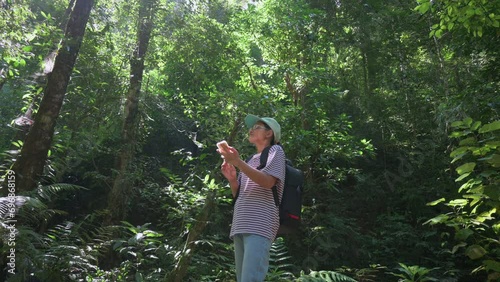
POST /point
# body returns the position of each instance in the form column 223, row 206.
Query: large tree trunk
column 29, row 165
column 119, row 196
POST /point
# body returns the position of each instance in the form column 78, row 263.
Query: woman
column 256, row 216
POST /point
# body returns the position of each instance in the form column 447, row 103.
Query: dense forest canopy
column 110, row 112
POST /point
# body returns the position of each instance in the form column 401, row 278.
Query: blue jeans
column 251, row 253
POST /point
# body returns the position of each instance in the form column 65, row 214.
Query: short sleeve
column 275, row 165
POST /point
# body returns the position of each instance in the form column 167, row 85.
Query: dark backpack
column 290, row 207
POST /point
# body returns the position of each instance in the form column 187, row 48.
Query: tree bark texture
column 2, row 78
column 30, row 164
column 122, row 186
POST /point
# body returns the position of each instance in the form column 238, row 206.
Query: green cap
column 250, row 120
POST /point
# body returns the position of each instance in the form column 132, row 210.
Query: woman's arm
column 232, row 158
column 229, row 171
column 263, row 179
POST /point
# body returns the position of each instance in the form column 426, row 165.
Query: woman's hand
column 228, row 168
column 229, row 171
column 231, row 155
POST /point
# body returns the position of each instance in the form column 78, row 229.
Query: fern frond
column 10, row 205
column 279, row 268
column 325, row 276
column 48, row 191
column 35, row 211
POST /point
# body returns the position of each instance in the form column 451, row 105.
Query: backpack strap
column 264, row 155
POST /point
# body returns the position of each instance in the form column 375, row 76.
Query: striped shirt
column 255, row 211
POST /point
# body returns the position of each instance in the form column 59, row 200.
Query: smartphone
column 223, row 146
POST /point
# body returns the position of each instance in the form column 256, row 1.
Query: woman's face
column 259, row 133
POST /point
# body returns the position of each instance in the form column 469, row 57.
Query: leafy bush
column 473, row 218
column 413, row 273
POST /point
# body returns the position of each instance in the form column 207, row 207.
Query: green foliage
column 473, row 218
column 364, row 97
column 372, row 273
column 395, row 236
column 28, row 31
column 413, row 273
column 279, row 262
column 20, row 45
column 324, row 276
column 474, row 16
column 45, row 251
column 213, row 260
column 144, row 255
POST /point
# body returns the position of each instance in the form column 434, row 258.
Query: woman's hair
column 272, row 140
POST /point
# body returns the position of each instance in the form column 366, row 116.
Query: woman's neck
column 262, row 146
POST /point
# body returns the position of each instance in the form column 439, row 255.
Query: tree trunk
column 2, row 78
column 29, row 165
column 122, row 185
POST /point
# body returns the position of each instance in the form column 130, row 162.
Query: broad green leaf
column 494, row 161
column 463, row 234
column 465, row 175
column 465, row 168
column 475, row 198
column 458, row 246
column 466, row 185
column 490, row 127
column 496, row 228
column 457, row 123
column 459, row 151
column 468, row 141
column 492, row 265
column 480, row 151
column 439, row 33
column 433, row 203
column 477, row 189
column 493, row 144
column 475, row 252
column 456, row 134
column 458, row 157
column 438, row 219
column 468, row 121
column 475, row 125
column 424, row 7
column 488, row 173
column 152, row 234
column 458, row 202
column 486, row 215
